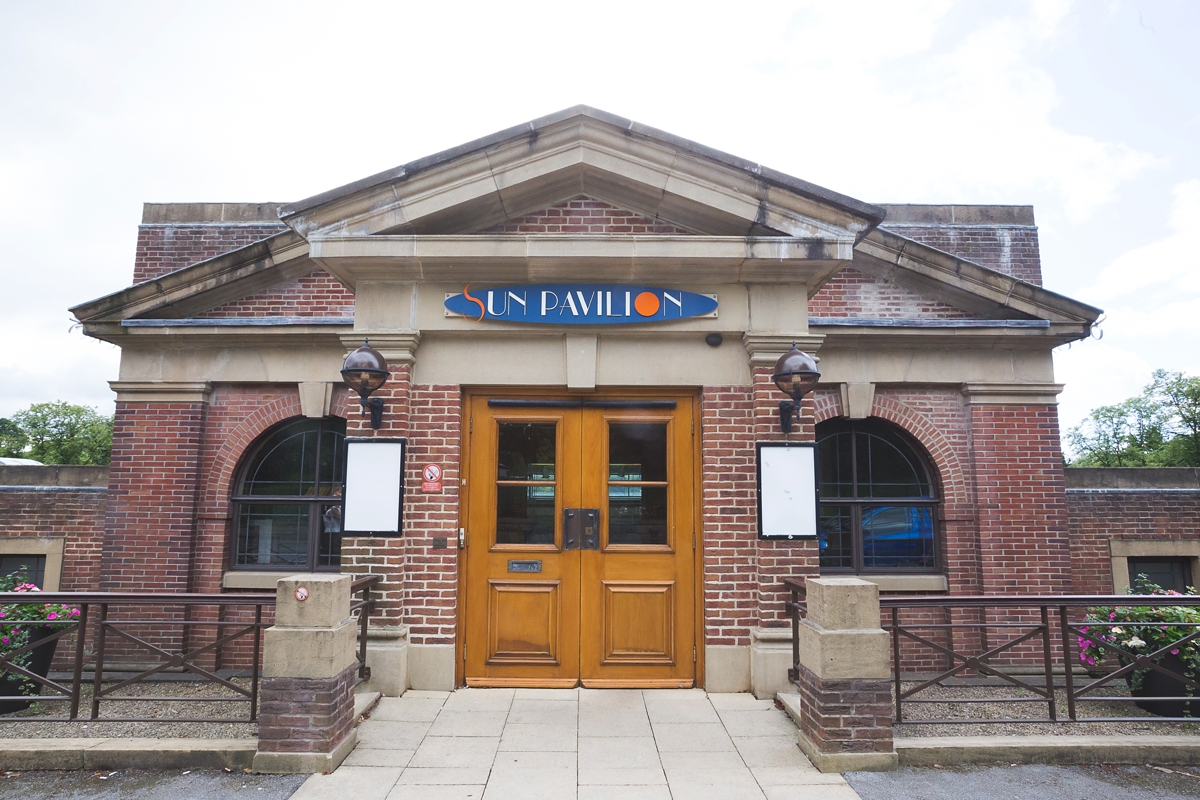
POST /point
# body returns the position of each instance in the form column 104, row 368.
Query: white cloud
column 1151, row 297
column 106, row 107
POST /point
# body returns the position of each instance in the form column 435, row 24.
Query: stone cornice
column 1012, row 394
column 765, row 347
column 543, row 258
column 161, row 391
column 398, row 347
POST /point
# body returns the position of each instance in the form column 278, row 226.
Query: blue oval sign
column 580, row 304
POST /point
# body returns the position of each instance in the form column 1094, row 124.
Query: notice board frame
column 349, row 496
column 799, row 531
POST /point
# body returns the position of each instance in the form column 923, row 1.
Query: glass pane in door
column 637, row 483
column 525, row 483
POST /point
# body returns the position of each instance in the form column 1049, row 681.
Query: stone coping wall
column 1113, row 513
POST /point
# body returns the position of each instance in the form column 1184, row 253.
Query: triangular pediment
column 586, row 216
column 582, row 151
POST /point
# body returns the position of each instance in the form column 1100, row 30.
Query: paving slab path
column 576, row 744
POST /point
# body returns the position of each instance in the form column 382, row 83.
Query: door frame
column 608, row 393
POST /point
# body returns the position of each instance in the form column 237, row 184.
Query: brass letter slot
column 524, row 566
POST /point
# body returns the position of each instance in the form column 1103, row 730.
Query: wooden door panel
column 523, row 622
column 637, row 603
column 638, row 623
column 521, row 629
column 620, row 615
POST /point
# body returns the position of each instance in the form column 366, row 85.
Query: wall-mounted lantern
column 364, row 371
column 796, row 375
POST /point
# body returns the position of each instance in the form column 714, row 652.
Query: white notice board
column 787, row 490
column 374, row 486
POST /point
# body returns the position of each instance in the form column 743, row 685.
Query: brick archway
column 956, row 489
column 219, row 475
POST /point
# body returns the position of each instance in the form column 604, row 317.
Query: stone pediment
column 510, row 208
column 581, row 151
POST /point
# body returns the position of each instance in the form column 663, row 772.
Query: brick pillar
column 1023, row 540
column 154, row 484
column 845, row 693
column 306, row 713
column 770, row 649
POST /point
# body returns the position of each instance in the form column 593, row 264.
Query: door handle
column 581, row 529
column 572, row 528
column 591, row 529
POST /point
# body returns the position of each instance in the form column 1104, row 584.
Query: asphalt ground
column 146, row 785
column 1028, row 782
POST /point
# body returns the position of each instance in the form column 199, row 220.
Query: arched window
column 288, row 499
column 878, row 500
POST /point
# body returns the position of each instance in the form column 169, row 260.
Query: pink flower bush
column 20, row 621
column 1124, row 633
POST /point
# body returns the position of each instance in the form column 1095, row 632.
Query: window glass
column 525, row 487
column 637, row 483
column 526, row 451
column 897, row 537
column 861, row 466
column 273, row 535
column 836, row 537
column 33, row 566
column 1170, row 573
column 299, row 466
column 637, row 451
column 836, row 466
column 887, row 468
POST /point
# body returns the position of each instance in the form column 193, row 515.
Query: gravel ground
column 145, row 785
column 165, row 710
column 1034, row 709
column 1100, row 782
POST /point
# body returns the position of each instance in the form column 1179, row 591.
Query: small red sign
column 431, row 478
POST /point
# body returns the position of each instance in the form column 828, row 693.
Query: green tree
column 13, row 440
column 1181, row 396
column 61, row 433
column 1158, row 428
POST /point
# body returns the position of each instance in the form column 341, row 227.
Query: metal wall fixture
column 364, row 371
column 796, row 375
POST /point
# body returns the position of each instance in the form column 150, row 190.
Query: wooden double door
column 580, row 561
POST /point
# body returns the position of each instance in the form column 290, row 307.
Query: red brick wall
column 76, row 514
column 420, row 586
column 317, row 294
column 385, row 556
column 1022, row 500
column 163, row 248
column 1012, row 250
column 1096, row 516
column 852, row 293
column 153, row 489
column 584, row 215
column 728, row 516
column 742, row 574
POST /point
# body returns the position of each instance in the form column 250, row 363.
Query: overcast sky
column 1090, row 111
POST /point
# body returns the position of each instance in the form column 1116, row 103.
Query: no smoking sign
column 431, row 478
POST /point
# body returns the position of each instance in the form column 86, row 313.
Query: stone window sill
column 908, row 583
column 252, row 580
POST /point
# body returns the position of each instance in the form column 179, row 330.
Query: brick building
column 939, row 464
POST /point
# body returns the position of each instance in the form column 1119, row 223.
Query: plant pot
column 1156, row 684
column 39, row 664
